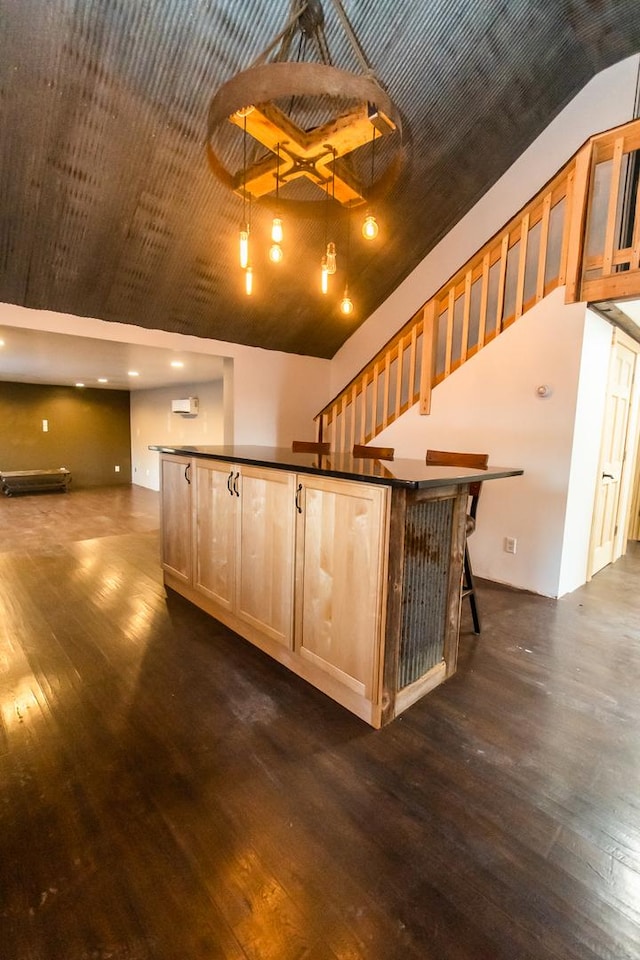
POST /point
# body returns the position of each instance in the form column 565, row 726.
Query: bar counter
column 346, row 570
column 412, row 474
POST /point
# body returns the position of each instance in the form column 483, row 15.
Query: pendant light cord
column 373, row 156
column 333, row 174
column 355, row 43
column 289, row 28
column 326, row 214
column 244, row 170
column 347, row 257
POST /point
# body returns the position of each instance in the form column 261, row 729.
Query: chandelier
column 304, row 125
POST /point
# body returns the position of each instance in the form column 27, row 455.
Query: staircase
column 582, row 230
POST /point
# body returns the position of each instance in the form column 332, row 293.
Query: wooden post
column 484, row 299
column 343, row 423
column 428, row 355
column 504, row 253
column 575, row 223
column 614, row 189
column 374, row 403
column 451, row 307
column 386, row 391
column 393, row 619
column 354, row 411
column 399, row 363
column 362, row 438
column 544, row 242
column 464, row 345
column 412, row 393
column 522, row 265
column 635, row 256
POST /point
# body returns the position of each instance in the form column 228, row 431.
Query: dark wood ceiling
column 109, row 208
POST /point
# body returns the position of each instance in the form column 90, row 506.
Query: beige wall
column 152, row 422
column 490, row 405
column 88, row 432
column 607, row 101
column 270, row 397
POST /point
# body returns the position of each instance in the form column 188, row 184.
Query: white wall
column 490, row 403
column 490, row 406
column 608, row 100
column 274, row 395
column 153, row 422
column 277, row 395
column 585, row 453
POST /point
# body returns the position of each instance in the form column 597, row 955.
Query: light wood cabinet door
column 341, row 540
column 265, row 578
column 217, row 494
column 176, row 502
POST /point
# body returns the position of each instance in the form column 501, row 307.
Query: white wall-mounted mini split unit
column 188, row 407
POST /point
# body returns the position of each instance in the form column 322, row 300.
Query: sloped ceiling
column 109, row 208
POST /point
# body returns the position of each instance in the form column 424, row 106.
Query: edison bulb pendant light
column 331, row 257
column 370, row 227
column 324, row 275
column 244, row 245
column 275, row 253
column 346, row 304
column 248, row 281
column 277, row 233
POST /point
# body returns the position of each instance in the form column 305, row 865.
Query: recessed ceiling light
column 79, row 384
column 133, row 373
column 177, row 363
column 102, row 380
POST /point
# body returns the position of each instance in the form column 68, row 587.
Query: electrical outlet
column 117, row 469
column 510, row 544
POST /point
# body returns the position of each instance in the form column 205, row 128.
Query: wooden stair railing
column 582, row 230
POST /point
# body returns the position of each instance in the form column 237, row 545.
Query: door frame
column 629, row 456
column 633, row 524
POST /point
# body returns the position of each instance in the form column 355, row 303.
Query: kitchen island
column 348, row 571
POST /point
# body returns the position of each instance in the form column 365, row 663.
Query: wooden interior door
column 339, row 579
column 614, row 439
column 265, row 578
column 217, row 495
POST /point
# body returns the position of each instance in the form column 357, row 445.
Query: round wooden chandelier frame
column 279, row 80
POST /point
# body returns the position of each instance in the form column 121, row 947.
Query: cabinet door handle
column 298, row 492
column 186, row 473
column 608, row 476
column 229, row 478
column 235, row 485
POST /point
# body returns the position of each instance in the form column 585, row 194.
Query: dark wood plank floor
column 169, row 793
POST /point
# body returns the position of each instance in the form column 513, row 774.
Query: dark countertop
column 414, row 474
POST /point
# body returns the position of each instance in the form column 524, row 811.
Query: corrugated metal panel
column 424, row 602
column 109, row 208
